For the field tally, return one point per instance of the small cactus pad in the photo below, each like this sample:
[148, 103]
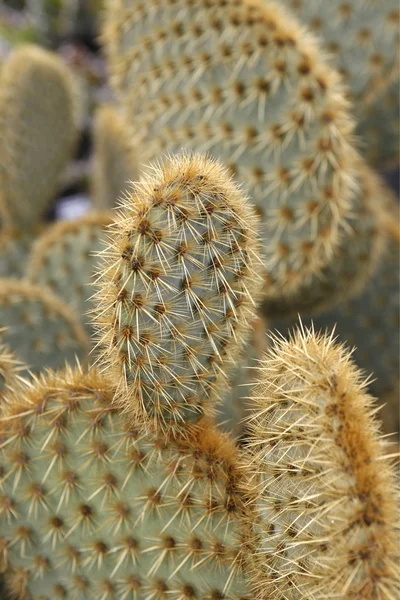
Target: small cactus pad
[37, 122]
[241, 80]
[176, 291]
[114, 161]
[63, 259]
[328, 507]
[15, 247]
[39, 327]
[90, 508]
[362, 241]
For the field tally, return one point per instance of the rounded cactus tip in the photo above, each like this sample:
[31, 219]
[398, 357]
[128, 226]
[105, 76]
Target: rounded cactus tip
[177, 288]
[328, 505]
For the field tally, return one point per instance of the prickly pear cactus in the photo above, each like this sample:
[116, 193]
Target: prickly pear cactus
[328, 502]
[63, 259]
[39, 327]
[243, 81]
[37, 120]
[114, 161]
[93, 508]
[177, 288]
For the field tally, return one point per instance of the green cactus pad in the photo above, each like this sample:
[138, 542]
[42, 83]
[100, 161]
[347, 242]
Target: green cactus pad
[91, 508]
[243, 81]
[37, 120]
[177, 290]
[38, 326]
[63, 259]
[328, 498]
[114, 161]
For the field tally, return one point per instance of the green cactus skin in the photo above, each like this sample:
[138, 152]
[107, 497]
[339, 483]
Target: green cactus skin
[63, 259]
[353, 263]
[15, 247]
[114, 161]
[91, 508]
[38, 105]
[328, 496]
[363, 36]
[242, 80]
[177, 291]
[38, 326]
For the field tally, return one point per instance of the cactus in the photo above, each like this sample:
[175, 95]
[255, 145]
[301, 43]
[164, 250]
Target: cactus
[345, 276]
[176, 292]
[114, 162]
[15, 247]
[242, 80]
[63, 260]
[39, 327]
[328, 499]
[363, 38]
[93, 508]
[37, 120]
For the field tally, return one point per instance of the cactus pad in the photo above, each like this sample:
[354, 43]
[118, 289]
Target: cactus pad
[90, 508]
[37, 121]
[114, 162]
[328, 506]
[176, 292]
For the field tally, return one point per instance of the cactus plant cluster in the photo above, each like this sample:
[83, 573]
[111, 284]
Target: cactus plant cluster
[120, 474]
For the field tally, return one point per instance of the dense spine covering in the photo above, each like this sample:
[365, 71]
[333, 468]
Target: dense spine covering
[328, 498]
[10, 368]
[64, 260]
[39, 326]
[242, 80]
[92, 508]
[38, 107]
[177, 290]
[114, 160]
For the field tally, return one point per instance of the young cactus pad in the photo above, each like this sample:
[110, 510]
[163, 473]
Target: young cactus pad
[114, 161]
[38, 326]
[37, 121]
[242, 80]
[92, 509]
[178, 282]
[328, 499]
[63, 259]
